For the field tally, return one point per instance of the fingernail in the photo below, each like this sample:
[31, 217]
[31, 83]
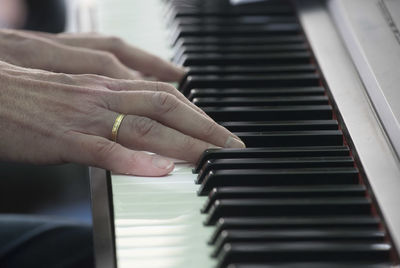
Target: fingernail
[162, 163]
[212, 146]
[232, 142]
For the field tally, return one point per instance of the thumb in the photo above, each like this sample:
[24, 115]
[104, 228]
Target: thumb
[101, 152]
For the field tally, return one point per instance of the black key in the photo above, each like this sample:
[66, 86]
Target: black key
[270, 163]
[238, 20]
[226, 4]
[254, 92]
[288, 207]
[322, 235]
[303, 252]
[245, 59]
[270, 113]
[260, 101]
[235, 30]
[277, 177]
[243, 70]
[251, 126]
[255, 49]
[222, 41]
[245, 81]
[271, 152]
[292, 138]
[283, 192]
[290, 223]
[280, 11]
[358, 264]
[250, 49]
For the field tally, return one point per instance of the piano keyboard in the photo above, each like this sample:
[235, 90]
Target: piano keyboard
[293, 198]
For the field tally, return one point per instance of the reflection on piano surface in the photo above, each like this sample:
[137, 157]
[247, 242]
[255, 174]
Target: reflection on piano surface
[299, 195]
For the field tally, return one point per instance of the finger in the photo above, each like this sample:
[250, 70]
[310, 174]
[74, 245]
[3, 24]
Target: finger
[100, 152]
[141, 133]
[133, 57]
[42, 53]
[81, 60]
[170, 111]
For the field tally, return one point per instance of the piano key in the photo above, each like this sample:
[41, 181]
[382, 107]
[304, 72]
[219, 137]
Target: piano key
[249, 126]
[263, 163]
[235, 30]
[250, 49]
[202, 59]
[283, 192]
[276, 177]
[271, 152]
[292, 138]
[267, 113]
[279, 47]
[186, 41]
[253, 92]
[231, 12]
[237, 20]
[289, 223]
[238, 69]
[287, 207]
[323, 235]
[226, 4]
[358, 264]
[186, 32]
[221, 5]
[175, 15]
[303, 252]
[182, 56]
[260, 101]
[245, 81]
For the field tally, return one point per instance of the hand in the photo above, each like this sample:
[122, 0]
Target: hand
[83, 54]
[55, 118]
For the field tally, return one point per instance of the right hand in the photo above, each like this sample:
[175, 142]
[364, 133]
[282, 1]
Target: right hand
[55, 118]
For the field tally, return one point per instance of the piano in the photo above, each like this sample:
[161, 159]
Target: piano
[312, 88]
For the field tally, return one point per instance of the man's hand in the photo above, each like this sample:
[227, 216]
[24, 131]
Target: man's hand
[53, 118]
[83, 54]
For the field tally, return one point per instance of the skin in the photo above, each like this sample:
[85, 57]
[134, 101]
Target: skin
[65, 111]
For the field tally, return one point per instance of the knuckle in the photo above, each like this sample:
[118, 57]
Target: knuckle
[165, 87]
[106, 59]
[102, 150]
[65, 79]
[114, 43]
[90, 77]
[107, 64]
[153, 60]
[164, 102]
[143, 126]
[209, 129]
[94, 81]
[187, 143]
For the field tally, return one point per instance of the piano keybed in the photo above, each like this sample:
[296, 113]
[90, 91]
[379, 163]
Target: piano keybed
[293, 198]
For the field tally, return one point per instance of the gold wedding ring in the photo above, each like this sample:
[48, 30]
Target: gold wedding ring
[117, 124]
